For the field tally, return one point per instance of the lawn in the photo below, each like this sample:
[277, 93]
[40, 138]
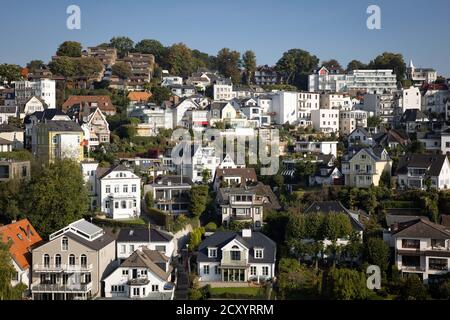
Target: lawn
[238, 292]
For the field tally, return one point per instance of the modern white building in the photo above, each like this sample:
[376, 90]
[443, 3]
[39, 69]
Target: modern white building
[284, 107]
[335, 101]
[223, 89]
[203, 158]
[44, 89]
[323, 147]
[382, 105]
[325, 120]
[168, 80]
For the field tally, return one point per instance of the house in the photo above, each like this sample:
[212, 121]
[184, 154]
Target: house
[22, 238]
[182, 91]
[137, 97]
[13, 134]
[360, 137]
[365, 167]
[153, 119]
[180, 110]
[223, 89]
[232, 177]
[204, 159]
[323, 147]
[392, 139]
[7, 112]
[78, 103]
[228, 163]
[41, 116]
[349, 120]
[326, 174]
[414, 120]
[5, 145]
[229, 256]
[171, 194]
[435, 97]
[419, 76]
[142, 68]
[106, 55]
[168, 80]
[416, 171]
[146, 274]
[246, 204]
[56, 139]
[131, 239]
[14, 169]
[221, 112]
[422, 248]
[44, 89]
[119, 192]
[325, 120]
[72, 264]
[31, 106]
[265, 75]
[95, 129]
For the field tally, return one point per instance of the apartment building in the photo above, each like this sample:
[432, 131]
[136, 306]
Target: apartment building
[349, 120]
[44, 89]
[323, 147]
[325, 120]
[14, 169]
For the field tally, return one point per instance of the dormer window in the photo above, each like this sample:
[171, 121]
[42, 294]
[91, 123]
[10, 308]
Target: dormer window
[212, 252]
[259, 253]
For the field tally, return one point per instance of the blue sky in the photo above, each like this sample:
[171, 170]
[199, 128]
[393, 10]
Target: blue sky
[420, 30]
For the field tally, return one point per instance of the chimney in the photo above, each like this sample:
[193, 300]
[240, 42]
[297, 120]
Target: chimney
[246, 233]
[28, 232]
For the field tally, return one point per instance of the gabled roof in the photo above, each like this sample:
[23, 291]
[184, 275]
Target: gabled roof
[61, 126]
[143, 235]
[327, 207]
[23, 238]
[432, 163]
[47, 114]
[412, 115]
[221, 238]
[244, 173]
[421, 228]
[139, 96]
[103, 172]
[259, 189]
[103, 102]
[9, 128]
[148, 259]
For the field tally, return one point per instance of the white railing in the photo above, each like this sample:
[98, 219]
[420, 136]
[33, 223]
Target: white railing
[62, 267]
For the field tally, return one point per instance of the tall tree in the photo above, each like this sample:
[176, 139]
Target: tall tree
[377, 253]
[356, 65]
[297, 64]
[228, 63]
[56, 197]
[160, 94]
[249, 63]
[346, 284]
[198, 200]
[151, 46]
[34, 65]
[63, 66]
[180, 60]
[10, 72]
[122, 44]
[69, 49]
[89, 67]
[389, 60]
[122, 70]
[333, 64]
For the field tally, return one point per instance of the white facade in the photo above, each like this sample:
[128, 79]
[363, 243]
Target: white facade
[324, 147]
[408, 99]
[325, 120]
[435, 101]
[126, 248]
[335, 100]
[171, 80]
[179, 112]
[223, 91]
[284, 105]
[120, 194]
[44, 89]
[349, 120]
[203, 158]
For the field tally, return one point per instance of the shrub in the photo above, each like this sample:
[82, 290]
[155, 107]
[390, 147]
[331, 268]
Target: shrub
[211, 227]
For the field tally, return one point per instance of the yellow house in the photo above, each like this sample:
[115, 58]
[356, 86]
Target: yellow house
[57, 140]
[365, 167]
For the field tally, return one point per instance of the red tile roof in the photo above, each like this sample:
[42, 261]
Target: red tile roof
[104, 103]
[23, 238]
[139, 96]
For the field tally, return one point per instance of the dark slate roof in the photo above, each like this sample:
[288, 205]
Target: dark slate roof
[148, 259]
[174, 180]
[421, 228]
[260, 189]
[412, 115]
[325, 158]
[142, 235]
[221, 238]
[8, 109]
[58, 125]
[433, 163]
[47, 114]
[327, 207]
[398, 219]
[105, 171]
[244, 173]
[9, 128]
[96, 244]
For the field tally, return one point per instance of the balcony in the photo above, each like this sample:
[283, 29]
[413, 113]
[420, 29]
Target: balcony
[242, 217]
[62, 268]
[54, 288]
[413, 268]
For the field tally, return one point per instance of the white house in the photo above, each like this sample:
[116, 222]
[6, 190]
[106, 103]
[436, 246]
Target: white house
[203, 158]
[325, 120]
[44, 89]
[324, 147]
[146, 274]
[284, 106]
[223, 89]
[360, 137]
[131, 239]
[228, 256]
[119, 192]
[31, 106]
[179, 111]
[168, 80]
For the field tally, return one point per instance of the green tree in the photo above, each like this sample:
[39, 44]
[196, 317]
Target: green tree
[249, 63]
[206, 175]
[297, 64]
[356, 65]
[416, 147]
[149, 202]
[413, 289]
[388, 60]
[151, 46]
[89, 67]
[346, 284]
[64, 66]
[34, 65]
[296, 281]
[69, 49]
[198, 199]
[377, 253]
[374, 122]
[195, 238]
[10, 72]
[122, 44]
[11, 196]
[160, 94]
[228, 63]
[56, 197]
[180, 61]
[122, 70]
[333, 64]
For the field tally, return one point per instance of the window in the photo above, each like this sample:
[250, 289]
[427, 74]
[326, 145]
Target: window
[259, 253]
[134, 203]
[108, 189]
[206, 269]
[155, 287]
[125, 272]
[124, 204]
[64, 244]
[131, 248]
[116, 205]
[117, 288]
[58, 260]
[136, 291]
[123, 248]
[72, 260]
[410, 244]
[265, 271]
[133, 188]
[83, 261]
[46, 260]
[116, 189]
[125, 188]
[143, 291]
[107, 204]
[160, 248]
[253, 271]
[235, 255]
[212, 253]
